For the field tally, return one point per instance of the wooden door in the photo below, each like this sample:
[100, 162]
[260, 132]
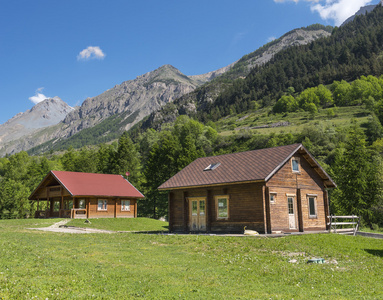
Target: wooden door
[291, 208]
[197, 214]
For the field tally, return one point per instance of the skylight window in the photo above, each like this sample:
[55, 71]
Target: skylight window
[212, 167]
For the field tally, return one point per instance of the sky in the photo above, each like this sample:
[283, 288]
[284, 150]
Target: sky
[79, 49]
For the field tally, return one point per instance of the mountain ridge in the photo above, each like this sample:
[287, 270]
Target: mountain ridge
[136, 99]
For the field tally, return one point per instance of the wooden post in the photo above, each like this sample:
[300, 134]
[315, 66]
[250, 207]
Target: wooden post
[170, 211]
[115, 208]
[266, 195]
[73, 207]
[209, 207]
[87, 208]
[300, 214]
[186, 211]
[326, 207]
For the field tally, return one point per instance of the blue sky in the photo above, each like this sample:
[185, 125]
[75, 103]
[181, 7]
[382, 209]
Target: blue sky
[79, 49]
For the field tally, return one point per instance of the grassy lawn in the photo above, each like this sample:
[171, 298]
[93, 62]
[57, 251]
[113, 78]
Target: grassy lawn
[47, 265]
[136, 224]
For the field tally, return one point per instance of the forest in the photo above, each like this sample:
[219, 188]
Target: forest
[343, 70]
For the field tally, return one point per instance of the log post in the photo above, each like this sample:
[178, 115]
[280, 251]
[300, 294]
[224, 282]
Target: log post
[186, 211]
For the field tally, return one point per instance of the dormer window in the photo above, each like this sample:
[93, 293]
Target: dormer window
[295, 165]
[212, 166]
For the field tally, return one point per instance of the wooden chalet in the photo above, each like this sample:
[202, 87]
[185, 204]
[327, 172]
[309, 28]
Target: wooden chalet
[280, 189]
[85, 195]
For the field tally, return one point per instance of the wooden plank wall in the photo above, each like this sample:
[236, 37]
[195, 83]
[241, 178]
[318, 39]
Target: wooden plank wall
[113, 209]
[286, 182]
[245, 207]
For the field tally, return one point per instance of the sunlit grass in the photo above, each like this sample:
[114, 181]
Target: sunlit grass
[297, 120]
[47, 265]
[122, 224]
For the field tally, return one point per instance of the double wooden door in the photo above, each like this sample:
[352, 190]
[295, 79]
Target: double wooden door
[197, 214]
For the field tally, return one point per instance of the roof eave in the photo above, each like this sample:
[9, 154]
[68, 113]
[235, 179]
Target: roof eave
[208, 185]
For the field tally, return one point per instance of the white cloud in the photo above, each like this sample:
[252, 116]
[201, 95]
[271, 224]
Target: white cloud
[270, 39]
[38, 97]
[336, 10]
[91, 53]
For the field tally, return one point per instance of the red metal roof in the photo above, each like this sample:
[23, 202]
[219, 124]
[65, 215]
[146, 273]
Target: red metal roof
[91, 184]
[255, 165]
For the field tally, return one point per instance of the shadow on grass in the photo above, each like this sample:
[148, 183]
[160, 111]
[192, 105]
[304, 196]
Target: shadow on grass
[165, 230]
[375, 252]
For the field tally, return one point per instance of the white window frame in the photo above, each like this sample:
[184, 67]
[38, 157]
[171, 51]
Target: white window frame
[125, 205]
[217, 198]
[298, 164]
[315, 206]
[104, 205]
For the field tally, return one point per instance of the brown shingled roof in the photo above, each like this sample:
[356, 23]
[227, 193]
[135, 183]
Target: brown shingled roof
[256, 165]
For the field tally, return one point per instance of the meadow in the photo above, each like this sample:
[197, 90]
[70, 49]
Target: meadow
[46, 265]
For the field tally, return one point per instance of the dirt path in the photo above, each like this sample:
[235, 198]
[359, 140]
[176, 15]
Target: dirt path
[60, 227]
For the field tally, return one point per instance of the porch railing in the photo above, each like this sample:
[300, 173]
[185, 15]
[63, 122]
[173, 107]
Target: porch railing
[65, 213]
[78, 213]
[41, 214]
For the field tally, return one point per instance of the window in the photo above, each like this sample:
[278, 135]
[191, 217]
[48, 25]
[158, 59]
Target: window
[222, 204]
[273, 197]
[212, 166]
[312, 208]
[201, 207]
[290, 203]
[295, 164]
[102, 204]
[125, 205]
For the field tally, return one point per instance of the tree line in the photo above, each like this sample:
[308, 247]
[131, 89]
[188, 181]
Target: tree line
[352, 159]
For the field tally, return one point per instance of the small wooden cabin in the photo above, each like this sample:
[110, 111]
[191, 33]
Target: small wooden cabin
[280, 189]
[85, 195]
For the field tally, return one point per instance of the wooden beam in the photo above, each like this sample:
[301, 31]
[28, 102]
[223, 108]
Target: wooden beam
[186, 211]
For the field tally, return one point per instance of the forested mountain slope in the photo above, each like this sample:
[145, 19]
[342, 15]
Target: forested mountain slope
[351, 51]
[196, 101]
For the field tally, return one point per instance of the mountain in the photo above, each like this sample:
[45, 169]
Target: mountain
[131, 101]
[362, 11]
[44, 114]
[207, 94]
[352, 51]
[104, 117]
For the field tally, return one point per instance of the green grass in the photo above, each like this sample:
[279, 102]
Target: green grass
[297, 120]
[47, 265]
[127, 224]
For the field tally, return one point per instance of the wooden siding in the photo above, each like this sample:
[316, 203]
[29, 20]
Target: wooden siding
[245, 207]
[126, 214]
[286, 182]
[113, 209]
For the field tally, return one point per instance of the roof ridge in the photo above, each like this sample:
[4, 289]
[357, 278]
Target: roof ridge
[247, 151]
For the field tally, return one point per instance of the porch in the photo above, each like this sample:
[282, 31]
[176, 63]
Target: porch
[74, 213]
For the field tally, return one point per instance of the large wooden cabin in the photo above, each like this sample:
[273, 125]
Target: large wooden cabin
[85, 195]
[280, 189]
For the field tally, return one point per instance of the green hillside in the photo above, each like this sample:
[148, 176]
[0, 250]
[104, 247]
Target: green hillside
[331, 102]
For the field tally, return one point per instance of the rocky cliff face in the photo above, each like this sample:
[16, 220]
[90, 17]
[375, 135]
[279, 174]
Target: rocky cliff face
[135, 99]
[138, 98]
[144, 95]
[44, 114]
